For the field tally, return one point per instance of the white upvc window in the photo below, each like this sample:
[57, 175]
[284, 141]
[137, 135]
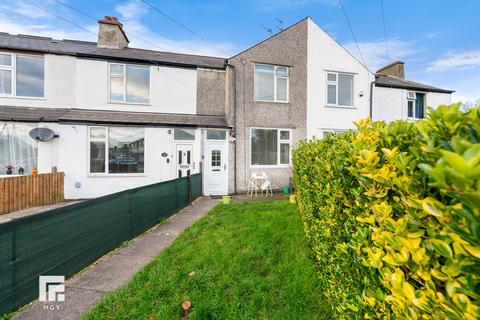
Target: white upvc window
[116, 150]
[271, 83]
[22, 75]
[270, 147]
[339, 89]
[129, 83]
[415, 105]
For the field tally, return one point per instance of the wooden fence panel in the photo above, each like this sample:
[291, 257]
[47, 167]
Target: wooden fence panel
[21, 192]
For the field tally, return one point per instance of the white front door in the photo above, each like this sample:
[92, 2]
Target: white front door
[215, 174]
[184, 161]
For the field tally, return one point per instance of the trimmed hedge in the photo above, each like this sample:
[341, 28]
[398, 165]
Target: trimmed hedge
[392, 213]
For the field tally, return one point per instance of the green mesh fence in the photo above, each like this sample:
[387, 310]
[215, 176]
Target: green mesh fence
[63, 241]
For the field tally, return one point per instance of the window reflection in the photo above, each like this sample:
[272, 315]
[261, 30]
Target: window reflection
[30, 76]
[17, 148]
[126, 150]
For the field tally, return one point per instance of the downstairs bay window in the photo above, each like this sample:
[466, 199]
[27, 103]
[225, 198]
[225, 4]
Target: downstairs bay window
[116, 150]
[270, 147]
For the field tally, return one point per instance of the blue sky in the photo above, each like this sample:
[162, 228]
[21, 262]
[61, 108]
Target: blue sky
[438, 39]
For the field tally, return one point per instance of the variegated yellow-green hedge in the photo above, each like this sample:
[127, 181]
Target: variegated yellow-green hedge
[392, 212]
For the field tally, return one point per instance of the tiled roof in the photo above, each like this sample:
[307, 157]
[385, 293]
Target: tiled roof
[393, 82]
[90, 50]
[87, 116]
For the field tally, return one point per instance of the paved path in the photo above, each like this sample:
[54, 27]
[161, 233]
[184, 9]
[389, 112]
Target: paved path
[112, 271]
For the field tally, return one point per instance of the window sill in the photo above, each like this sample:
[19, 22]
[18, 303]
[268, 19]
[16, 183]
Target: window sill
[278, 166]
[269, 101]
[130, 103]
[115, 175]
[21, 97]
[335, 106]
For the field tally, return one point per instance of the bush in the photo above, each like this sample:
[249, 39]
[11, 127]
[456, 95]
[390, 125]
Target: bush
[392, 213]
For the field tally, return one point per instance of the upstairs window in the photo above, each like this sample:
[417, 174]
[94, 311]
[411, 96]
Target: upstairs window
[22, 75]
[271, 83]
[416, 105]
[339, 89]
[129, 83]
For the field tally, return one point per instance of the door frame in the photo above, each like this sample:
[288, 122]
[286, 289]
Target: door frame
[205, 165]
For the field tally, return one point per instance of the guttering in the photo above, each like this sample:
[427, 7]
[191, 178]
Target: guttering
[371, 99]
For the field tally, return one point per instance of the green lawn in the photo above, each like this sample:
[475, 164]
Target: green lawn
[242, 261]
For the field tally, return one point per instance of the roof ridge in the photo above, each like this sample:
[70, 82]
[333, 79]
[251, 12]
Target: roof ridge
[95, 43]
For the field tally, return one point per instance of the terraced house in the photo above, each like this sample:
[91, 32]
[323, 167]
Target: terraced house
[122, 117]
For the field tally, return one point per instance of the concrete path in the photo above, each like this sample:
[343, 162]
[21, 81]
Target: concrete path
[112, 271]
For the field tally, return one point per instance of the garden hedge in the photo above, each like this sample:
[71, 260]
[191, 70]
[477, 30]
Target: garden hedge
[392, 213]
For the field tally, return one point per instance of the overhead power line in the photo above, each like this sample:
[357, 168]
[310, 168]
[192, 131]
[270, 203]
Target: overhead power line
[385, 30]
[184, 27]
[75, 24]
[59, 17]
[96, 19]
[351, 30]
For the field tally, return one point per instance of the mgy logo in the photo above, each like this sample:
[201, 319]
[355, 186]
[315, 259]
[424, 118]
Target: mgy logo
[51, 288]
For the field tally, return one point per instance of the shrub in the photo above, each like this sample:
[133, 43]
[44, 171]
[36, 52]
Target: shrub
[392, 214]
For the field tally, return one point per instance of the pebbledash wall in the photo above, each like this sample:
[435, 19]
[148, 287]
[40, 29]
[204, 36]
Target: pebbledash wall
[287, 48]
[391, 103]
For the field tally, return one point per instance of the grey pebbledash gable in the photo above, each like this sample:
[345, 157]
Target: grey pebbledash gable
[289, 49]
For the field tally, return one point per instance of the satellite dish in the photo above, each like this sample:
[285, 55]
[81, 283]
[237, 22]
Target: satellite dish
[42, 134]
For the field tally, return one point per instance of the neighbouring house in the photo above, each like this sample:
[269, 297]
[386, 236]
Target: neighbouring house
[126, 117]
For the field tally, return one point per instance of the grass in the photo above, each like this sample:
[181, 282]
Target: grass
[242, 261]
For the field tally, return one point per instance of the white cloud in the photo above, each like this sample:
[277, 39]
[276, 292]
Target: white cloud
[24, 9]
[47, 27]
[458, 60]
[375, 53]
[132, 12]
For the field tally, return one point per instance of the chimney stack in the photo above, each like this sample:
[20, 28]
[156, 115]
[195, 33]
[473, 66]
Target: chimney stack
[395, 69]
[111, 34]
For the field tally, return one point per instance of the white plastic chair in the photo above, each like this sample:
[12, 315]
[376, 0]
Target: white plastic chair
[252, 186]
[267, 187]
